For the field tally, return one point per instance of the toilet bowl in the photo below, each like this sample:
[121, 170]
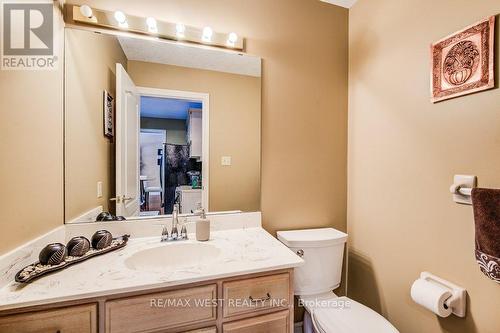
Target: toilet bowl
[334, 314]
[314, 282]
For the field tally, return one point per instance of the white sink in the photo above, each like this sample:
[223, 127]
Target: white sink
[172, 255]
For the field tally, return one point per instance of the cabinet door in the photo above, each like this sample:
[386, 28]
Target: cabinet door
[272, 323]
[195, 129]
[190, 200]
[75, 319]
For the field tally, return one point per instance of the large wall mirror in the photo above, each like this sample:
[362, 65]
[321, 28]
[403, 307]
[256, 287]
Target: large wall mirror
[150, 124]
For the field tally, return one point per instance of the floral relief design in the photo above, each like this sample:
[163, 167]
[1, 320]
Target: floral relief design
[461, 62]
[489, 265]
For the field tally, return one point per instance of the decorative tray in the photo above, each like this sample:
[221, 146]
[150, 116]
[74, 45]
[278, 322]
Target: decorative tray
[36, 270]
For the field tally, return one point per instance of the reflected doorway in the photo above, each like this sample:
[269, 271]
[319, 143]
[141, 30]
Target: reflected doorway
[171, 155]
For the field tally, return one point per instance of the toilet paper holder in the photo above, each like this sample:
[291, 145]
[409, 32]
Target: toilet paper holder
[458, 300]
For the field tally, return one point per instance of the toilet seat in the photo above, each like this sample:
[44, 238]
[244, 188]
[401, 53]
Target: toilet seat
[344, 315]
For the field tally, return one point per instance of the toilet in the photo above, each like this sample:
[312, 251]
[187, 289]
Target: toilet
[314, 282]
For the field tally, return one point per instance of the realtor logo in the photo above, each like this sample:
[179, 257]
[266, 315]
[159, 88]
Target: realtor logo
[28, 36]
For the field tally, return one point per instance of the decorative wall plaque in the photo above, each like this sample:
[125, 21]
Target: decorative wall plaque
[463, 63]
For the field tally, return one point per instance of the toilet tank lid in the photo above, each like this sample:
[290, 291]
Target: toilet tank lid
[312, 237]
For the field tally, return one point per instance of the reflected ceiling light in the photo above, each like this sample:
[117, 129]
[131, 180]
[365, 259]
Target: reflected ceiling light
[86, 11]
[121, 19]
[151, 23]
[207, 35]
[232, 39]
[180, 30]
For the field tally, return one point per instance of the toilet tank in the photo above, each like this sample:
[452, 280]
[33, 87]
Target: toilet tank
[323, 253]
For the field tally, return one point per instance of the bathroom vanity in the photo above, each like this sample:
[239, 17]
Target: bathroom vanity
[252, 303]
[239, 281]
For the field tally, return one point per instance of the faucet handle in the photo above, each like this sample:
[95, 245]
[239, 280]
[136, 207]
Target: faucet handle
[174, 234]
[164, 233]
[183, 232]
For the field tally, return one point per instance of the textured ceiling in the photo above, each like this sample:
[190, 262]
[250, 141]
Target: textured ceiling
[342, 3]
[164, 52]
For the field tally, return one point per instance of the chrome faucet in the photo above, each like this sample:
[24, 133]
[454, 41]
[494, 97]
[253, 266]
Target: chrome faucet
[175, 221]
[174, 234]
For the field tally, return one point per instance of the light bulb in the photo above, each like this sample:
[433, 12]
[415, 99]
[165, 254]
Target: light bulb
[151, 23]
[120, 17]
[180, 30]
[86, 11]
[232, 38]
[207, 34]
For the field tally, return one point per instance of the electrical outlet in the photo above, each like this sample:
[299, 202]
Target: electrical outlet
[225, 160]
[99, 189]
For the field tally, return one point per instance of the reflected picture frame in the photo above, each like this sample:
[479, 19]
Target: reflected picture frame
[108, 114]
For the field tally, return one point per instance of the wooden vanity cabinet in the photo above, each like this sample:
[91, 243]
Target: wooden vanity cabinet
[278, 322]
[75, 319]
[255, 303]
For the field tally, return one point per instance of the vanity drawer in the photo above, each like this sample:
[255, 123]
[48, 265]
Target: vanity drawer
[76, 319]
[278, 322]
[204, 330]
[152, 312]
[254, 294]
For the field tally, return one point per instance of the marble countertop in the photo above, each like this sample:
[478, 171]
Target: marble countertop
[242, 251]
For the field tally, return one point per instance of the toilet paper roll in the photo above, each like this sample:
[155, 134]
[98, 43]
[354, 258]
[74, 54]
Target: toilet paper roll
[431, 296]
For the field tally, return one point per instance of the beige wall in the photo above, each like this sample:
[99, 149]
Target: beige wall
[403, 153]
[31, 146]
[303, 44]
[234, 127]
[176, 128]
[90, 68]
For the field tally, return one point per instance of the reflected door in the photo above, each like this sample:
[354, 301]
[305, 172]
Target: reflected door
[127, 145]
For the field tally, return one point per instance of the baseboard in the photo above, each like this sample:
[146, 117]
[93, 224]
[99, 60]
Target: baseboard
[297, 327]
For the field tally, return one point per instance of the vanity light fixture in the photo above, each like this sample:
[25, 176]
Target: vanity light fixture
[232, 38]
[85, 17]
[180, 30]
[86, 11]
[207, 35]
[152, 26]
[121, 19]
